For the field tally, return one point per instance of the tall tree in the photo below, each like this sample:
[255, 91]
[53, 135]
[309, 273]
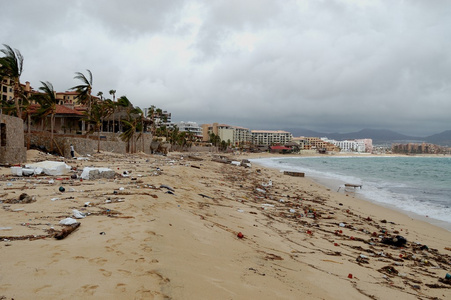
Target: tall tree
[100, 94]
[113, 93]
[84, 90]
[47, 101]
[11, 65]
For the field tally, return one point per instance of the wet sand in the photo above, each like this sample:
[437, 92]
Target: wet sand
[141, 240]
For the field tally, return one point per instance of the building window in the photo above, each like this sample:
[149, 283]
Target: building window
[3, 134]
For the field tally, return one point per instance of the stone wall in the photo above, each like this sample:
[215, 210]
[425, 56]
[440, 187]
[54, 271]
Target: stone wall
[12, 149]
[109, 142]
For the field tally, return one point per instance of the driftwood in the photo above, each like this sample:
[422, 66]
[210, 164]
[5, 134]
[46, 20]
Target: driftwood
[194, 158]
[66, 231]
[296, 174]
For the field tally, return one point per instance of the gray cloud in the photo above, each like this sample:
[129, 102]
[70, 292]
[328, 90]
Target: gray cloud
[338, 65]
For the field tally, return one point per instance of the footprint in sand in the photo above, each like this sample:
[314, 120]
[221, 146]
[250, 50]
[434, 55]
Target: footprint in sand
[125, 272]
[146, 248]
[89, 289]
[121, 287]
[42, 287]
[98, 260]
[105, 272]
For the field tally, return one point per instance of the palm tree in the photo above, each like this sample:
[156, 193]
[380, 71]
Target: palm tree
[113, 93]
[100, 94]
[95, 117]
[123, 102]
[47, 101]
[11, 65]
[85, 89]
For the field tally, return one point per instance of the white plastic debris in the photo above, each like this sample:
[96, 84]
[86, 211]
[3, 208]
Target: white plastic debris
[292, 210]
[68, 221]
[16, 171]
[260, 190]
[50, 167]
[78, 214]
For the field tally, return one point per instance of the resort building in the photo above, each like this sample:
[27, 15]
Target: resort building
[236, 135]
[191, 127]
[358, 145]
[270, 137]
[6, 90]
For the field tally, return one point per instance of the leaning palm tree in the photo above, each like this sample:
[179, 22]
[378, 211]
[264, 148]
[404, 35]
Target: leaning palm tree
[84, 90]
[47, 101]
[11, 65]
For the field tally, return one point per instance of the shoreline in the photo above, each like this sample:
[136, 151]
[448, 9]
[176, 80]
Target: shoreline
[168, 228]
[330, 183]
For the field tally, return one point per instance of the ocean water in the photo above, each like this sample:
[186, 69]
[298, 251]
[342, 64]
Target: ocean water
[418, 186]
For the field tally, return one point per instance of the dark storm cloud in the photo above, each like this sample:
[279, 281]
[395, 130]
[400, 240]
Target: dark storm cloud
[321, 65]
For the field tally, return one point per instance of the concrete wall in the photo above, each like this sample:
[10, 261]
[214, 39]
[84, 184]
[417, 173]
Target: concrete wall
[12, 149]
[110, 142]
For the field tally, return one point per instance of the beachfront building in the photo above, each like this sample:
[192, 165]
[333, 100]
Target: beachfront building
[358, 145]
[319, 144]
[190, 127]
[6, 89]
[235, 134]
[271, 137]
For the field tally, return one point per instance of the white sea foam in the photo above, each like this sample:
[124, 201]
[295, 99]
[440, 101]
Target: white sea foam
[403, 183]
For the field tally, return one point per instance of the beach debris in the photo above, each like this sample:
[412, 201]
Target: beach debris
[295, 174]
[103, 233]
[350, 275]
[205, 196]
[397, 241]
[163, 186]
[90, 173]
[62, 189]
[389, 270]
[245, 163]
[240, 235]
[78, 214]
[24, 198]
[53, 168]
[68, 221]
[66, 231]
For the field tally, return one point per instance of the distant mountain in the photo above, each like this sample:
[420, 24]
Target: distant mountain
[443, 138]
[379, 136]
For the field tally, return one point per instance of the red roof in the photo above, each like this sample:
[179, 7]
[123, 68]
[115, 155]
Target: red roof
[280, 148]
[60, 110]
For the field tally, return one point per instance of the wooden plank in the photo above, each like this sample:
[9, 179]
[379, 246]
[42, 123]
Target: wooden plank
[296, 174]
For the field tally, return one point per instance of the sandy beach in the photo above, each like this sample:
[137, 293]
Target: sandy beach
[187, 226]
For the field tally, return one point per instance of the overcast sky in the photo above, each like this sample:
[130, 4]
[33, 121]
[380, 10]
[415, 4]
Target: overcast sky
[329, 66]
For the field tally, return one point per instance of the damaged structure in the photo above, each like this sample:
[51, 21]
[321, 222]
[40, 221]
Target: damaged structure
[12, 148]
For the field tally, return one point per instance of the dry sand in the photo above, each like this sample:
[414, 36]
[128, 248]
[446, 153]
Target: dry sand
[141, 242]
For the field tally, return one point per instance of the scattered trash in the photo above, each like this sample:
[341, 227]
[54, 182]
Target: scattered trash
[52, 168]
[102, 233]
[166, 187]
[350, 276]
[97, 173]
[78, 214]
[240, 235]
[397, 241]
[62, 189]
[66, 231]
[68, 221]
